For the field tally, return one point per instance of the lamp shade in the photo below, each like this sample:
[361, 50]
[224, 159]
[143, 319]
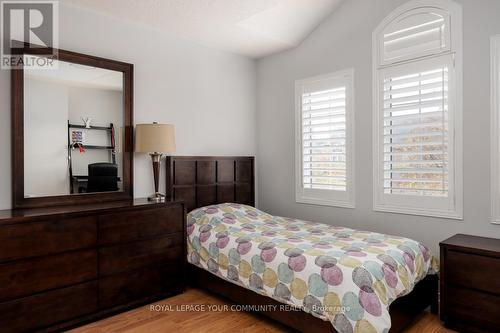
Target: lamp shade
[154, 138]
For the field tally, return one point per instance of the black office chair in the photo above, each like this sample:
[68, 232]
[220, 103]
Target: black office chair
[103, 177]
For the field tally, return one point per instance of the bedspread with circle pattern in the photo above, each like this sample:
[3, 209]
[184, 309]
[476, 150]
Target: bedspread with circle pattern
[346, 276]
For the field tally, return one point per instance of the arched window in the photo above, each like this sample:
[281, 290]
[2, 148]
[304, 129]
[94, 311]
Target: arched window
[417, 110]
[418, 32]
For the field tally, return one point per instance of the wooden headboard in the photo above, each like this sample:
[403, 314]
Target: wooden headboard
[206, 180]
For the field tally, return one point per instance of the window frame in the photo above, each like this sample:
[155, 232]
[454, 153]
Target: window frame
[414, 204]
[334, 198]
[495, 129]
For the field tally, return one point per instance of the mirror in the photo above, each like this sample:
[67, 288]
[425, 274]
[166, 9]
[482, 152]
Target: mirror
[73, 117]
[73, 128]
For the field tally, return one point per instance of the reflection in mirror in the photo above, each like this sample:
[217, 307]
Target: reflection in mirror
[73, 120]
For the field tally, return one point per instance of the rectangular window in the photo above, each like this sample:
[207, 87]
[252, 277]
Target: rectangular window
[324, 140]
[495, 129]
[416, 168]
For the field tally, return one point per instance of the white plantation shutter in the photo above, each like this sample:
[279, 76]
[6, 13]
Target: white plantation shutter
[415, 131]
[324, 143]
[323, 135]
[420, 32]
[417, 110]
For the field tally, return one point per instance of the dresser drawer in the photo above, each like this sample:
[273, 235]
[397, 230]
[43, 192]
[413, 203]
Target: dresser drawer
[46, 237]
[34, 275]
[472, 311]
[130, 226]
[137, 285]
[120, 258]
[472, 271]
[42, 310]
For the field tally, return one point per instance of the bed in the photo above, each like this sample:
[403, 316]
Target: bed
[312, 277]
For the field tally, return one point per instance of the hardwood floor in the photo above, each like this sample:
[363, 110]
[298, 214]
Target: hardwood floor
[178, 314]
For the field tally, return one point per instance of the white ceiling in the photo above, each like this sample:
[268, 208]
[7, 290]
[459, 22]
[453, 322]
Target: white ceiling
[253, 28]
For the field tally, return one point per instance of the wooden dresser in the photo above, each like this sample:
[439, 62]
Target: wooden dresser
[470, 283]
[63, 266]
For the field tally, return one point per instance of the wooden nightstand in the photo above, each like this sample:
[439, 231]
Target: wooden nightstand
[470, 283]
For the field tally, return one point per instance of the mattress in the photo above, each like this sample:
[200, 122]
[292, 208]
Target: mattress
[342, 275]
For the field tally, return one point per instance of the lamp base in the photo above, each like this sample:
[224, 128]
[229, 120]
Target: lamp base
[157, 198]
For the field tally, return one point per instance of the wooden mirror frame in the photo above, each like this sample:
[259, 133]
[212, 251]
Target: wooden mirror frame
[17, 101]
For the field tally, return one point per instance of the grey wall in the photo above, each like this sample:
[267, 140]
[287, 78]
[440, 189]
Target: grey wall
[344, 41]
[209, 95]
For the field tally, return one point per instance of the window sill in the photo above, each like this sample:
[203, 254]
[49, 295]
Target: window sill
[325, 202]
[452, 215]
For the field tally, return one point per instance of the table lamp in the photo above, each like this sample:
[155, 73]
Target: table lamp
[155, 139]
